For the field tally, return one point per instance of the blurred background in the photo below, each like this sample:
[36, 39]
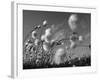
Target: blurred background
[58, 19]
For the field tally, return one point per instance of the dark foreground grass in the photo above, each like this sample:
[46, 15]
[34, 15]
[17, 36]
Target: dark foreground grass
[85, 61]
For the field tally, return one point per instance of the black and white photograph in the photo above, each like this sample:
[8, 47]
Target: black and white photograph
[53, 39]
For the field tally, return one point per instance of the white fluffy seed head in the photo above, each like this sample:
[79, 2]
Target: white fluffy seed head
[46, 35]
[42, 37]
[80, 38]
[34, 34]
[39, 26]
[36, 42]
[48, 32]
[58, 54]
[73, 17]
[45, 47]
[72, 21]
[44, 22]
[72, 45]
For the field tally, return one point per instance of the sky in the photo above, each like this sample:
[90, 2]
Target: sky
[33, 18]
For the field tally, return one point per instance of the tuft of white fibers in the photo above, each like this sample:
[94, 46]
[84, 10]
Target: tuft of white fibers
[45, 46]
[45, 38]
[72, 45]
[80, 38]
[46, 35]
[48, 32]
[57, 58]
[36, 42]
[72, 21]
[34, 34]
[44, 22]
[42, 37]
[39, 26]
